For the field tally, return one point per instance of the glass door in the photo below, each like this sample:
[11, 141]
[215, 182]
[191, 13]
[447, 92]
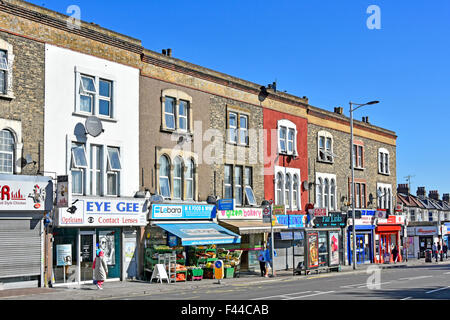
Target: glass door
[360, 252]
[87, 255]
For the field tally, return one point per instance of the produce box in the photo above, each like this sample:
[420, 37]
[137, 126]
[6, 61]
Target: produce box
[196, 272]
[229, 273]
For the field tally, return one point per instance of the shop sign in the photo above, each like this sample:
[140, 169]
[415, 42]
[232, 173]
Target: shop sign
[241, 214]
[320, 212]
[297, 221]
[279, 210]
[335, 220]
[399, 207]
[381, 214]
[26, 195]
[282, 219]
[178, 211]
[363, 221]
[225, 204]
[426, 231]
[411, 231]
[99, 212]
[392, 220]
[63, 188]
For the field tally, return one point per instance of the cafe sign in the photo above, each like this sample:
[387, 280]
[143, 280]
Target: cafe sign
[241, 214]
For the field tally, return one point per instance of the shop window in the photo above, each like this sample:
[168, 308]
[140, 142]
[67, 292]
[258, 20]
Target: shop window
[287, 137]
[177, 178]
[95, 95]
[164, 174]
[113, 173]
[7, 148]
[325, 147]
[189, 178]
[228, 182]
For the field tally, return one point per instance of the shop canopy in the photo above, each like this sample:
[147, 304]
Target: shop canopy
[204, 233]
[252, 227]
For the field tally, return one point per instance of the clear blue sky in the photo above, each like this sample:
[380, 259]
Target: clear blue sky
[319, 49]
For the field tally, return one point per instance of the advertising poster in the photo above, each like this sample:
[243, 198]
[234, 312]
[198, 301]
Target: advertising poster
[313, 250]
[107, 244]
[62, 193]
[64, 255]
[334, 248]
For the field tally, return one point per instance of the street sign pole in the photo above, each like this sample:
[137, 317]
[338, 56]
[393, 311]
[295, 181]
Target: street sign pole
[272, 241]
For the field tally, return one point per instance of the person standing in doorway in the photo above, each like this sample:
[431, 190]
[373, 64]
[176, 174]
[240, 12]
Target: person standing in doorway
[100, 269]
[445, 249]
[395, 254]
[434, 248]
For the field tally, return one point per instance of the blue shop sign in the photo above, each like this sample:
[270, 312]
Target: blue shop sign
[225, 204]
[177, 211]
[292, 221]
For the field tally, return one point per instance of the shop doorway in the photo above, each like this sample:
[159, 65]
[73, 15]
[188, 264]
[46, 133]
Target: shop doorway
[425, 243]
[360, 249]
[87, 255]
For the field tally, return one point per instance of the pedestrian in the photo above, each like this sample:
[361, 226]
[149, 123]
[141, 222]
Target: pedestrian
[445, 249]
[434, 248]
[100, 269]
[268, 259]
[262, 262]
[395, 254]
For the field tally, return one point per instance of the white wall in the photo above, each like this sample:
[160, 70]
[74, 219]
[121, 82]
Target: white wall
[60, 120]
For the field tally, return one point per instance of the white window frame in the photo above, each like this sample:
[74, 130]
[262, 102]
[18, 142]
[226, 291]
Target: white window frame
[80, 90]
[173, 114]
[243, 130]
[225, 183]
[190, 163]
[233, 128]
[287, 125]
[165, 177]
[331, 197]
[8, 70]
[285, 172]
[11, 153]
[328, 155]
[185, 117]
[106, 98]
[177, 161]
[94, 182]
[4, 67]
[79, 167]
[238, 184]
[115, 172]
[386, 203]
[383, 161]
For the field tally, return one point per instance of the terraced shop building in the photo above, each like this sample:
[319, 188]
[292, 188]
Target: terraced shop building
[329, 157]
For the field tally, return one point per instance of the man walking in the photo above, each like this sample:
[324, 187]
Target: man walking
[445, 249]
[434, 248]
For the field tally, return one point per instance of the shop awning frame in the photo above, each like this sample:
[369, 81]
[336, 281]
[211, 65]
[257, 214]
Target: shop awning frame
[201, 233]
[252, 227]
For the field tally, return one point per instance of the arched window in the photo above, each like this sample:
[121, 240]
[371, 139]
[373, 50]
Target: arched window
[319, 194]
[332, 195]
[189, 177]
[385, 195]
[380, 199]
[326, 194]
[388, 206]
[164, 174]
[295, 193]
[177, 178]
[279, 184]
[287, 191]
[6, 152]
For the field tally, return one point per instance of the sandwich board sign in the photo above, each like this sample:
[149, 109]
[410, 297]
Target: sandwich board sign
[159, 273]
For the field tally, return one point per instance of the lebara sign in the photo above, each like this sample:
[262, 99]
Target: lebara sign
[98, 212]
[175, 211]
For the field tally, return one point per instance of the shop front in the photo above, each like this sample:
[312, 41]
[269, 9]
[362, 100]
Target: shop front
[248, 223]
[24, 203]
[388, 236]
[365, 238]
[186, 240]
[421, 238]
[288, 238]
[112, 225]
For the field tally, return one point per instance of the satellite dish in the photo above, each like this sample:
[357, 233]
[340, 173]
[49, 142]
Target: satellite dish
[94, 126]
[306, 185]
[156, 198]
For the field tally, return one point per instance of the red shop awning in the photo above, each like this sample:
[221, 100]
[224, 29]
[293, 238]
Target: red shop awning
[382, 229]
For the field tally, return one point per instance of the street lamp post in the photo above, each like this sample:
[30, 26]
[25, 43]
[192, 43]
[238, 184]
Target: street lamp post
[353, 174]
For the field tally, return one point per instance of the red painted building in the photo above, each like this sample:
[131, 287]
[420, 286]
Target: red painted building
[286, 160]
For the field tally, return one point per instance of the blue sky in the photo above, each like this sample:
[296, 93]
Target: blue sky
[319, 49]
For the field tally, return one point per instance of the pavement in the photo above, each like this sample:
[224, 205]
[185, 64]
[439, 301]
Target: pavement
[128, 289]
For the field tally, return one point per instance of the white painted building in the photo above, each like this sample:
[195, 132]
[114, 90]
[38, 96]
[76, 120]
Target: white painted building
[104, 169]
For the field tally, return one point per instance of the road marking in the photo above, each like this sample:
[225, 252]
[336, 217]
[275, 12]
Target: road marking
[416, 278]
[407, 298]
[310, 295]
[447, 273]
[438, 290]
[373, 284]
[282, 295]
[353, 285]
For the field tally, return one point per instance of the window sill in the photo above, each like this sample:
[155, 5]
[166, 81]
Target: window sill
[177, 131]
[288, 154]
[238, 144]
[87, 115]
[384, 174]
[325, 161]
[7, 97]
[359, 168]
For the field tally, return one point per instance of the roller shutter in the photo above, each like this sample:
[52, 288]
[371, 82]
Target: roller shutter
[20, 248]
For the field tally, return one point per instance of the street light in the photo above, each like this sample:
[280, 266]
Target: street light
[353, 172]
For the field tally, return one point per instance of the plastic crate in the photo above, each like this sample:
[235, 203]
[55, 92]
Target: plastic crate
[229, 273]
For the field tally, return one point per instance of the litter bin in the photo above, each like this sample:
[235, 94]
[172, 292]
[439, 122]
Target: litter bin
[428, 255]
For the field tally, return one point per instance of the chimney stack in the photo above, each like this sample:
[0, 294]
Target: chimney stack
[421, 192]
[339, 110]
[434, 194]
[446, 197]
[403, 188]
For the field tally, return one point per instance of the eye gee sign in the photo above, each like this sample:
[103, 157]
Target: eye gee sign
[104, 212]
